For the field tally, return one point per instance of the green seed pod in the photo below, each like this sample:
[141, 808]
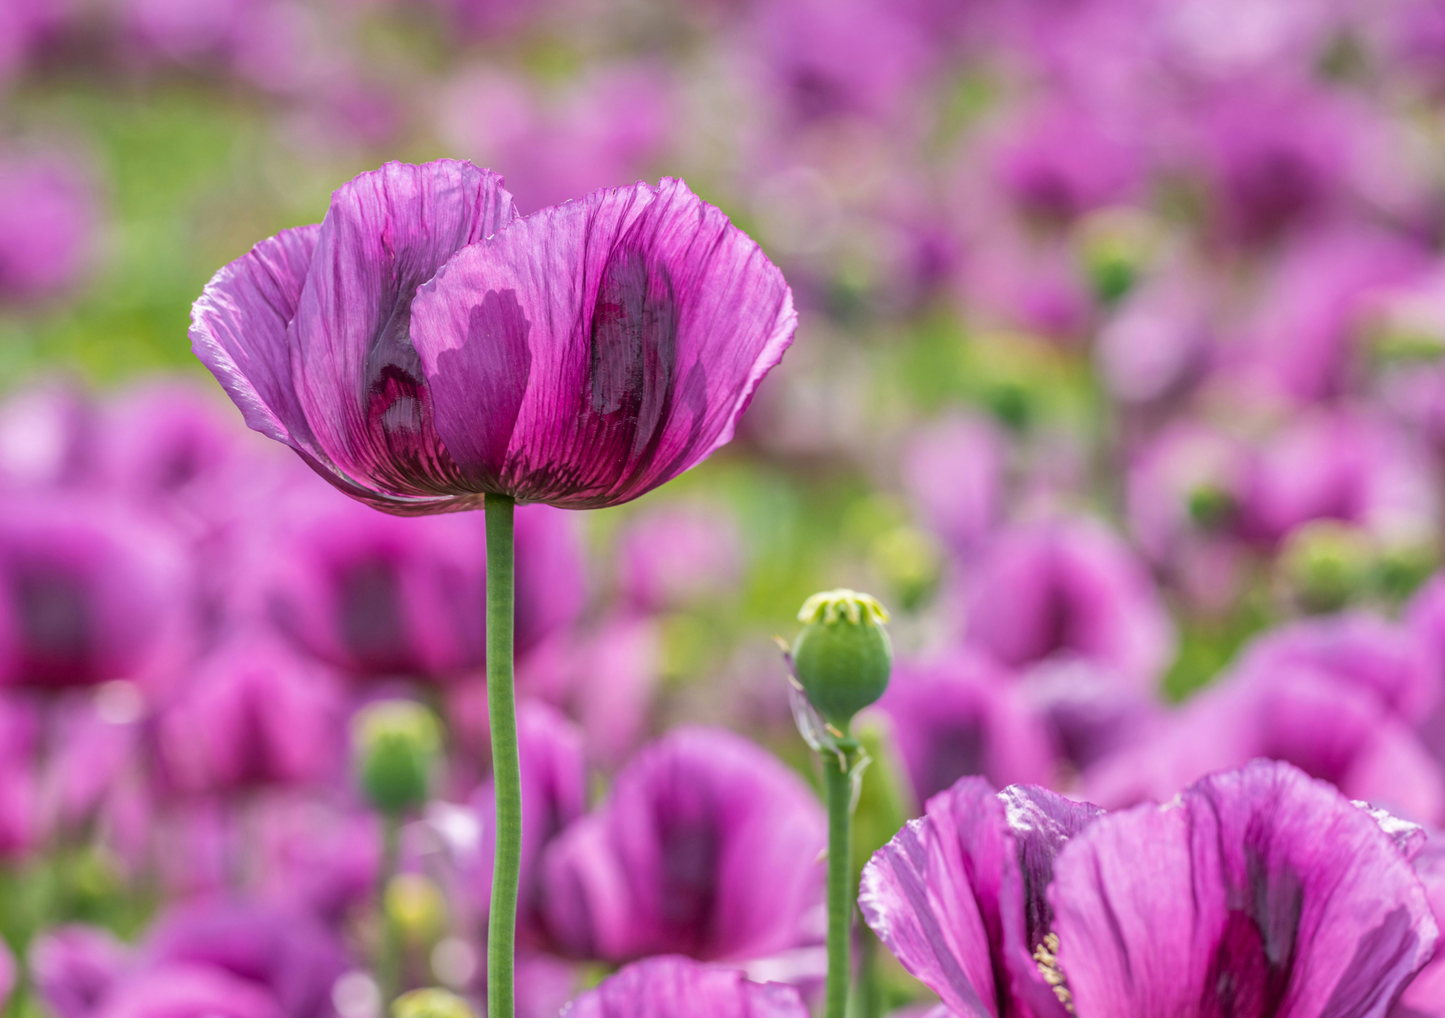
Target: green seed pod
[397, 744]
[430, 1003]
[843, 655]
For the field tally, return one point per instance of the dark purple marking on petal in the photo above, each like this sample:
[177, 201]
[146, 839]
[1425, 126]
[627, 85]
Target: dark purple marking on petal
[1386, 948]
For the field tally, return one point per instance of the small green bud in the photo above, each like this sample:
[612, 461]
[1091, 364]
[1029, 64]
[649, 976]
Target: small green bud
[843, 655]
[1211, 508]
[1326, 564]
[398, 744]
[912, 562]
[431, 1003]
[415, 904]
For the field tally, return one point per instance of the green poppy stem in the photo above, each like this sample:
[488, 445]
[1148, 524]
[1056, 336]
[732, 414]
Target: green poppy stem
[842, 894]
[506, 773]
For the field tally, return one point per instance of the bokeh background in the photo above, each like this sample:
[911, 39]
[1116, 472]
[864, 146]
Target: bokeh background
[1120, 379]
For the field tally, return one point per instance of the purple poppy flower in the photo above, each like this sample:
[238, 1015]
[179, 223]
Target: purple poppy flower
[88, 593]
[1345, 465]
[1334, 728]
[1069, 587]
[1088, 714]
[853, 59]
[1366, 650]
[281, 951]
[166, 443]
[188, 991]
[378, 597]
[251, 713]
[72, 968]
[47, 222]
[706, 845]
[1027, 903]
[385, 404]
[953, 473]
[1268, 181]
[1300, 341]
[1060, 161]
[47, 437]
[675, 555]
[676, 987]
[1159, 339]
[960, 714]
[607, 678]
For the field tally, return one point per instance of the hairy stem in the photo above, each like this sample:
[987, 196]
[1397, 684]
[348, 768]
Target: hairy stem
[506, 773]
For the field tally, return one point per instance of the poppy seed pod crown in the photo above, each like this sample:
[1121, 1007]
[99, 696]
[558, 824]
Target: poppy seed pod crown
[843, 655]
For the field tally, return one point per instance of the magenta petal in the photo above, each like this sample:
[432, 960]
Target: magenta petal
[1260, 891]
[673, 987]
[596, 349]
[238, 330]
[357, 377]
[707, 846]
[958, 896]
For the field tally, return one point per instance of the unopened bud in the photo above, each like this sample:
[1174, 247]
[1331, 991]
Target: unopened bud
[397, 744]
[1212, 508]
[416, 906]
[843, 655]
[431, 1003]
[1326, 564]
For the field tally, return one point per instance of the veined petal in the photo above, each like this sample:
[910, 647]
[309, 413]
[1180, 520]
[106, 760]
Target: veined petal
[958, 896]
[358, 379]
[1258, 892]
[615, 340]
[238, 330]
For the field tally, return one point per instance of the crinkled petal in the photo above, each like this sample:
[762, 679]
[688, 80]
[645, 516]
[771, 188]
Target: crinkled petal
[1259, 892]
[596, 349]
[358, 379]
[958, 896]
[674, 987]
[238, 330]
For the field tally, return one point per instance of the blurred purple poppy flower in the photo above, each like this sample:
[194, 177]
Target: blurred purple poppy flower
[858, 58]
[47, 437]
[378, 596]
[706, 845]
[1059, 161]
[953, 473]
[188, 991]
[1069, 587]
[1186, 493]
[385, 405]
[72, 968]
[1345, 465]
[672, 556]
[1088, 715]
[1333, 728]
[1268, 180]
[1159, 339]
[321, 858]
[1300, 341]
[19, 778]
[554, 794]
[23, 25]
[676, 987]
[47, 223]
[607, 678]
[251, 713]
[960, 714]
[88, 594]
[281, 951]
[1025, 902]
[613, 123]
[1373, 653]
[1033, 283]
[166, 444]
